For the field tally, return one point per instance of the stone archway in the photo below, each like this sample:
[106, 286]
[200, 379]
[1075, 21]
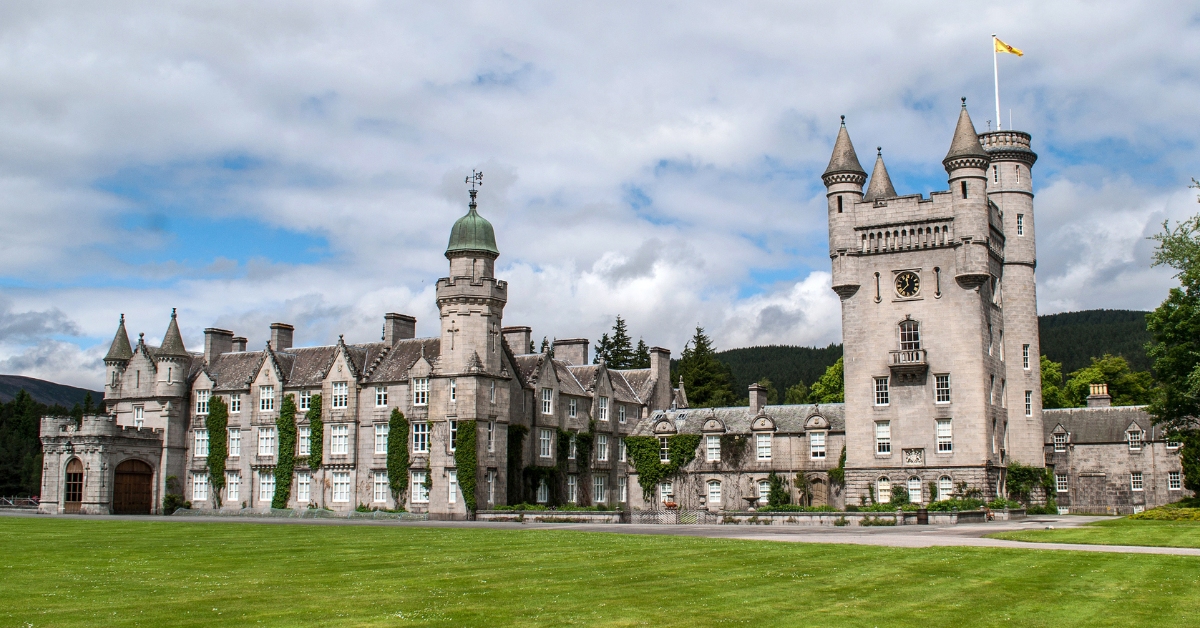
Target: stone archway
[73, 487]
[133, 488]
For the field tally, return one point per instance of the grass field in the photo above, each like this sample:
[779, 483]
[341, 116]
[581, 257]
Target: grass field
[57, 572]
[1117, 532]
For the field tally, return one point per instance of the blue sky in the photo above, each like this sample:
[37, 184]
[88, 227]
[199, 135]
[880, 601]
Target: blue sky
[303, 162]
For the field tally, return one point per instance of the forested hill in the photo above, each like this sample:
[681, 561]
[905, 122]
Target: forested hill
[1072, 338]
[44, 392]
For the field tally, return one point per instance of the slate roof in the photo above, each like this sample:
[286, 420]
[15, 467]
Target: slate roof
[308, 366]
[881, 184]
[966, 140]
[844, 158]
[622, 391]
[234, 371]
[120, 348]
[527, 365]
[1099, 425]
[640, 380]
[789, 419]
[393, 365]
[586, 374]
[567, 382]
[172, 344]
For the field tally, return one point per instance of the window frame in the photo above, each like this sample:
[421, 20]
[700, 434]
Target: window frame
[545, 443]
[882, 391]
[339, 439]
[234, 442]
[883, 438]
[303, 487]
[713, 497]
[233, 486]
[200, 443]
[381, 438]
[267, 440]
[602, 408]
[762, 443]
[266, 398]
[1174, 481]
[303, 440]
[547, 401]
[420, 391]
[339, 396]
[599, 489]
[941, 388]
[381, 396]
[1025, 357]
[602, 448]
[1136, 481]
[420, 492]
[1059, 442]
[1134, 439]
[200, 486]
[202, 397]
[945, 441]
[712, 448]
[266, 485]
[1062, 483]
[572, 407]
[305, 401]
[420, 436]
[664, 449]
[1028, 403]
[621, 413]
[816, 445]
[453, 429]
[340, 481]
[379, 489]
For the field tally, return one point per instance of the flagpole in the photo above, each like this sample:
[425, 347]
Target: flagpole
[996, 77]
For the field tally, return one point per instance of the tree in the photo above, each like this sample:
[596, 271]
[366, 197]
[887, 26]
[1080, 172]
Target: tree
[709, 382]
[1052, 385]
[777, 492]
[831, 388]
[641, 356]
[397, 456]
[617, 350]
[217, 423]
[1127, 388]
[796, 394]
[547, 348]
[772, 393]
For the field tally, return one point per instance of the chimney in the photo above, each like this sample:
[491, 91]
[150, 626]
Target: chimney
[758, 398]
[398, 327]
[660, 371]
[517, 339]
[216, 342]
[239, 343]
[281, 336]
[573, 351]
[1099, 397]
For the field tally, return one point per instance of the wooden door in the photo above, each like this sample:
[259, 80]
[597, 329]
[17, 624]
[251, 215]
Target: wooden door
[133, 489]
[73, 487]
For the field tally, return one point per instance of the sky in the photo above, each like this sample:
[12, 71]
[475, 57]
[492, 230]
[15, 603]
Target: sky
[303, 162]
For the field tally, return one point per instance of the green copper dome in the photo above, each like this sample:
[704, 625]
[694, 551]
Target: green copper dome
[472, 233]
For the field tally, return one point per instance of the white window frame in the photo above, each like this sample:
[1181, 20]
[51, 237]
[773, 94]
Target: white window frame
[1062, 483]
[304, 441]
[305, 399]
[1136, 482]
[235, 403]
[266, 441]
[714, 492]
[572, 488]
[139, 416]
[235, 442]
[420, 492]
[1020, 218]
[666, 491]
[381, 437]
[1060, 442]
[491, 436]
[572, 408]
[547, 401]
[764, 491]
[266, 485]
[945, 487]
[491, 484]
[200, 440]
[233, 486]
[762, 446]
[303, 487]
[420, 437]
[492, 393]
[712, 448]
[341, 487]
[883, 438]
[420, 392]
[1135, 440]
[664, 449]
[1028, 403]
[381, 396]
[916, 494]
[202, 397]
[572, 444]
[602, 406]
[599, 489]
[621, 449]
[941, 388]
[883, 490]
[623, 489]
[945, 436]
[266, 398]
[453, 390]
[545, 442]
[621, 413]
[340, 395]
[379, 487]
[1025, 357]
[339, 439]
[453, 425]
[1174, 481]
[816, 445]
[543, 492]
[200, 487]
[882, 391]
[602, 447]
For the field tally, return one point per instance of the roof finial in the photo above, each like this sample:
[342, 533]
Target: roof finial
[122, 318]
[172, 312]
[879, 151]
[475, 178]
[964, 100]
[141, 337]
[843, 120]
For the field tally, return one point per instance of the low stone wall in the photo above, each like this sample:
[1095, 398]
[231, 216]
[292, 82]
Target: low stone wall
[550, 516]
[811, 518]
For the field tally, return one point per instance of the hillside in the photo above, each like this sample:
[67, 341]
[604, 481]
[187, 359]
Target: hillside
[783, 365]
[44, 392]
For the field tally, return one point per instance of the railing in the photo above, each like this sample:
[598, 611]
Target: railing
[19, 502]
[908, 356]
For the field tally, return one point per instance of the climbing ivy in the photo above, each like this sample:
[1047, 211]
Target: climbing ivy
[316, 428]
[466, 461]
[643, 452]
[516, 458]
[397, 456]
[1021, 480]
[837, 474]
[217, 424]
[286, 422]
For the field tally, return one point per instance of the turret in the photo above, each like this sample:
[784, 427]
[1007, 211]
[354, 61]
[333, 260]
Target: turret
[881, 184]
[844, 179]
[966, 163]
[119, 354]
[173, 361]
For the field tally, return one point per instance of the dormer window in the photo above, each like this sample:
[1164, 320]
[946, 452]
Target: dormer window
[1060, 442]
[340, 396]
[202, 397]
[1135, 439]
[420, 386]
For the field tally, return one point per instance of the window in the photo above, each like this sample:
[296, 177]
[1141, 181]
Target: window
[910, 336]
[341, 486]
[420, 386]
[420, 433]
[881, 391]
[603, 409]
[1025, 357]
[713, 448]
[491, 436]
[235, 403]
[199, 487]
[714, 492]
[764, 489]
[1020, 219]
[945, 487]
[1001, 345]
[381, 396]
[492, 392]
[883, 438]
[1060, 483]
[339, 439]
[995, 173]
[491, 486]
[914, 490]
[381, 438]
[304, 441]
[602, 447]
[1173, 444]
[763, 442]
[945, 436]
[572, 488]
[1135, 440]
[571, 447]
[305, 399]
[380, 486]
[623, 489]
[453, 435]
[1003, 393]
[453, 390]
[963, 185]
[202, 401]
[992, 390]
[666, 491]
[883, 491]
[235, 442]
[303, 487]
[1174, 481]
[233, 486]
[599, 490]
[266, 398]
[941, 388]
[139, 416]
[572, 408]
[543, 492]
[266, 486]
[341, 396]
[1028, 403]
[621, 449]
[201, 448]
[1135, 481]
[420, 487]
[1060, 442]
[1018, 171]
[839, 204]
[621, 413]
[544, 437]
[547, 398]
[266, 441]
[664, 449]
[816, 445]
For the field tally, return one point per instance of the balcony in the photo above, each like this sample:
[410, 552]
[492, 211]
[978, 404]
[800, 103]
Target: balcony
[908, 363]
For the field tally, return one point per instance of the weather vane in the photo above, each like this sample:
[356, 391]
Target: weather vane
[475, 179]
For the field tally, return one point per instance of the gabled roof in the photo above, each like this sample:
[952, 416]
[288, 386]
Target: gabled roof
[394, 365]
[172, 344]
[1099, 425]
[585, 374]
[234, 371]
[641, 381]
[622, 391]
[788, 419]
[567, 382]
[120, 348]
[308, 365]
[528, 366]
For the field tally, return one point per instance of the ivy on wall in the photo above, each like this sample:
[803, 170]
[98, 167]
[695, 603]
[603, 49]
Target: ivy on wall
[1022, 480]
[516, 458]
[465, 459]
[217, 424]
[286, 465]
[643, 452]
[837, 474]
[316, 428]
[397, 456]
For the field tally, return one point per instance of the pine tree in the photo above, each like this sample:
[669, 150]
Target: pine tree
[603, 346]
[708, 382]
[617, 350]
[641, 356]
[547, 348]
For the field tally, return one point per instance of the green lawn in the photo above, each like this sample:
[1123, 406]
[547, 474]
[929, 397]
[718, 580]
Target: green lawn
[1117, 532]
[103, 572]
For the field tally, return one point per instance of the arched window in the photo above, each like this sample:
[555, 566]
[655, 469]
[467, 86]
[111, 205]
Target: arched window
[883, 490]
[914, 490]
[73, 487]
[714, 492]
[910, 335]
[764, 489]
[945, 487]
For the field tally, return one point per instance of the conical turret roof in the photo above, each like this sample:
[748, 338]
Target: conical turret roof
[966, 140]
[172, 343]
[881, 183]
[120, 348]
[844, 159]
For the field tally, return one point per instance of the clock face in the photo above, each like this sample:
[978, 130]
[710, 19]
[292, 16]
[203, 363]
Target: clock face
[908, 284]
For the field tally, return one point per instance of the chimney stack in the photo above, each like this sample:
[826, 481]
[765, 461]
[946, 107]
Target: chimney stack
[573, 351]
[398, 327]
[517, 339]
[281, 336]
[660, 371]
[216, 342]
[758, 398]
[1099, 397]
[239, 343]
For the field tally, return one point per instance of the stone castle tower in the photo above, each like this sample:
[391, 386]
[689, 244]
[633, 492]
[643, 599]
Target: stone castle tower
[939, 319]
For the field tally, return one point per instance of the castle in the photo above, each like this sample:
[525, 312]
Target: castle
[942, 388]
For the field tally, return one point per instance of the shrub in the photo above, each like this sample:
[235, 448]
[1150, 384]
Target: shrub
[947, 505]
[1179, 511]
[797, 508]
[397, 456]
[1051, 508]
[777, 493]
[877, 521]
[1000, 504]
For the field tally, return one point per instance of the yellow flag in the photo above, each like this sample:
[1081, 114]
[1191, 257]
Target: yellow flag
[1003, 47]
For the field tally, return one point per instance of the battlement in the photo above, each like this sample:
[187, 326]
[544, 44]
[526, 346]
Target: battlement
[100, 425]
[467, 287]
[1008, 146]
